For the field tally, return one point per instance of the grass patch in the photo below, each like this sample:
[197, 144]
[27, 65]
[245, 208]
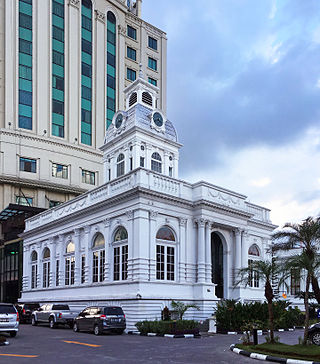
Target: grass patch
[306, 352]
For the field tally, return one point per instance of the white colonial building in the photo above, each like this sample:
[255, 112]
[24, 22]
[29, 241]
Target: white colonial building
[145, 237]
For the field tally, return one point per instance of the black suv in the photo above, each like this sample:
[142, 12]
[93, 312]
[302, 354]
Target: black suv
[25, 310]
[99, 319]
[314, 333]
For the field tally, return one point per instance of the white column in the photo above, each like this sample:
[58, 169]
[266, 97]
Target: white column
[182, 245]
[52, 247]
[166, 163]
[237, 260]
[201, 251]
[77, 256]
[244, 251]
[39, 265]
[175, 167]
[127, 160]
[61, 249]
[147, 162]
[208, 253]
[26, 279]
[153, 215]
[107, 244]
[88, 270]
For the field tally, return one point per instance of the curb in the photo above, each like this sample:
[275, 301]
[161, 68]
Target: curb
[152, 334]
[269, 357]
[260, 332]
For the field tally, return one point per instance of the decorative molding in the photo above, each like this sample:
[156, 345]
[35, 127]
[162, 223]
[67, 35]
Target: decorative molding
[100, 16]
[237, 231]
[122, 30]
[87, 229]
[75, 3]
[200, 222]
[130, 214]
[153, 214]
[76, 232]
[107, 223]
[182, 221]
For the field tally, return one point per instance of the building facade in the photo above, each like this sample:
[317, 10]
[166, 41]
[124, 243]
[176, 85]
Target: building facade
[64, 65]
[145, 237]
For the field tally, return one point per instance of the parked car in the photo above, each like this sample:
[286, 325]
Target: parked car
[9, 319]
[53, 314]
[25, 311]
[100, 319]
[314, 333]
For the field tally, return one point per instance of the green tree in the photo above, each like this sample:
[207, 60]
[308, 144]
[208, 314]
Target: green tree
[181, 308]
[266, 271]
[306, 236]
[303, 263]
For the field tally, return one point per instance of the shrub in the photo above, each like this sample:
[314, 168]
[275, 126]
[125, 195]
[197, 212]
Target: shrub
[168, 327]
[232, 315]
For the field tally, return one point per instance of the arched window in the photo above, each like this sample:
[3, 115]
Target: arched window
[34, 269]
[98, 258]
[254, 254]
[165, 254]
[120, 165]
[111, 66]
[254, 250]
[133, 99]
[46, 268]
[70, 264]
[147, 98]
[156, 164]
[120, 254]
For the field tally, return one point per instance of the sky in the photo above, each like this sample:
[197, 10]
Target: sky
[244, 96]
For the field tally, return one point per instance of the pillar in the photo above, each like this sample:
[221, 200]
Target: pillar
[77, 256]
[201, 251]
[106, 226]
[153, 215]
[208, 253]
[182, 244]
[237, 259]
[87, 269]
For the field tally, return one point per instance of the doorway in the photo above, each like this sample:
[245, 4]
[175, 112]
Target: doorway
[217, 263]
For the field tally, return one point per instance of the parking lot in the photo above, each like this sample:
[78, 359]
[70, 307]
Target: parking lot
[44, 345]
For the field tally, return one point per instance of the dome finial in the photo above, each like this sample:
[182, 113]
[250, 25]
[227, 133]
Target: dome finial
[140, 71]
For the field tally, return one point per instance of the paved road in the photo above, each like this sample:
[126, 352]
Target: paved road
[50, 346]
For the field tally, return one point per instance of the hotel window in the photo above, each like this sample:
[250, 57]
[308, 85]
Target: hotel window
[70, 264]
[98, 258]
[254, 254]
[86, 72]
[25, 64]
[156, 164]
[34, 269]
[59, 171]
[24, 201]
[131, 53]
[28, 165]
[295, 282]
[152, 63]
[141, 161]
[152, 81]
[131, 74]
[120, 254]
[88, 177]
[132, 32]
[57, 272]
[46, 268]
[152, 43]
[54, 203]
[111, 67]
[165, 254]
[120, 165]
[58, 71]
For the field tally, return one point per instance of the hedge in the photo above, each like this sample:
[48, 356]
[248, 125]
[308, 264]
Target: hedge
[168, 327]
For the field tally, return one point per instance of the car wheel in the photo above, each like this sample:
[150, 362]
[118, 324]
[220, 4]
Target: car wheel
[96, 330]
[52, 323]
[13, 333]
[316, 338]
[76, 327]
[33, 321]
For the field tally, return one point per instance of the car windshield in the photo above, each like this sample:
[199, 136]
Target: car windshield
[31, 306]
[60, 307]
[7, 309]
[113, 311]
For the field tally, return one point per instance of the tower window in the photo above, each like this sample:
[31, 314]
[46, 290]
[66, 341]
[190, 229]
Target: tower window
[156, 164]
[131, 74]
[152, 81]
[120, 165]
[133, 99]
[131, 53]
[147, 98]
[132, 32]
[28, 165]
[152, 63]
[153, 43]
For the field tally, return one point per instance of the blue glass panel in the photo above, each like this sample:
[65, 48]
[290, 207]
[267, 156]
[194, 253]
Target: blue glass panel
[25, 122]
[86, 128]
[57, 94]
[111, 92]
[25, 85]
[57, 46]
[58, 131]
[25, 72]
[25, 110]
[111, 71]
[58, 119]
[25, 34]
[25, 8]
[111, 48]
[25, 97]
[57, 21]
[85, 34]
[86, 104]
[86, 58]
[25, 59]
[58, 70]
[86, 81]
[85, 139]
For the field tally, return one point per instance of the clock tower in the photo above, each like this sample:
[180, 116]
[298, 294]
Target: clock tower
[140, 136]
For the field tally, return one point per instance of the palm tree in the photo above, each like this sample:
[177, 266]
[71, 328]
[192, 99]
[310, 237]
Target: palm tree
[303, 263]
[181, 308]
[305, 236]
[266, 271]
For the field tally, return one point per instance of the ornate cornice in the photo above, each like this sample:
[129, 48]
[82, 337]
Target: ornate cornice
[130, 214]
[182, 221]
[153, 214]
[75, 3]
[100, 16]
[122, 30]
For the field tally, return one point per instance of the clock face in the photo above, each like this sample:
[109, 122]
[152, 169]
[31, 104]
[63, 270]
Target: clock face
[158, 119]
[118, 121]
